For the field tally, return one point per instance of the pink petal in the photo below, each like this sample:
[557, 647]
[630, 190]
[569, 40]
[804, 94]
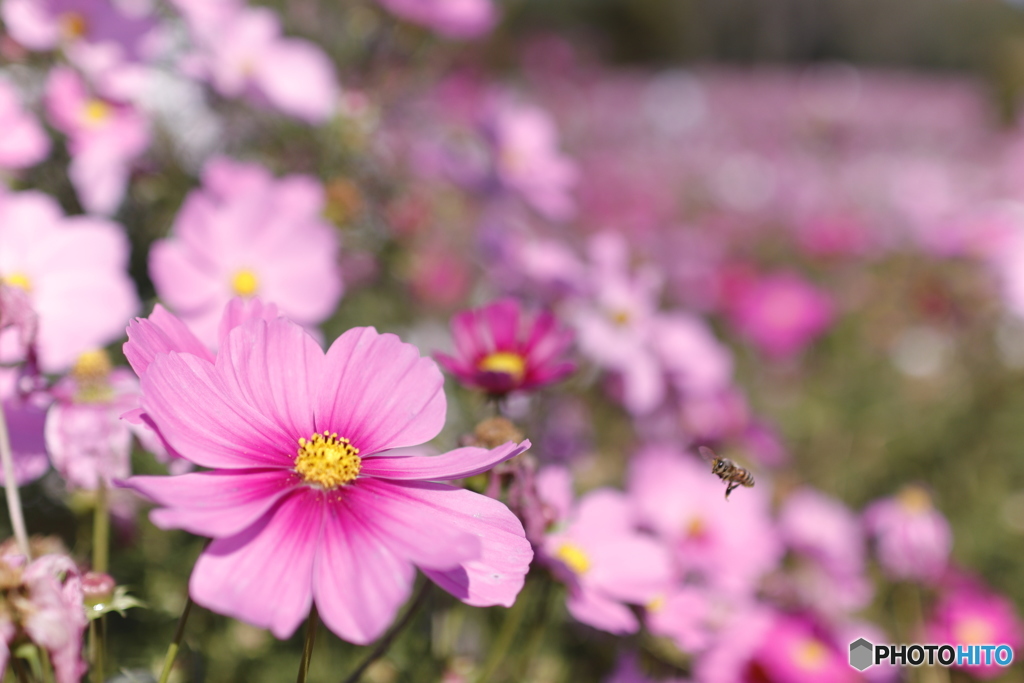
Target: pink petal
[298, 78]
[214, 504]
[185, 282]
[239, 311]
[359, 582]
[201, 420]
[466, 335]
[274, 367]
[596, 610]
[264, 574]
[161, 332]
[497, 577]
[379, 392]
[502, 320]
[462, 462]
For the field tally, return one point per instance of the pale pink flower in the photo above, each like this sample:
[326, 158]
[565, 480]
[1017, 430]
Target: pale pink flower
[686, 614]
[527, 160]
[970, 615]
[302, 500]
[451, 18]
[241, 52]
[728, 545]
[248, 234]
[823, 529]
[74, 272]
[26, 418]
[24, 142]
[605, 562]
[104, 138]
[913, 539]
[781, 313]
[501, 349]
[48, 24]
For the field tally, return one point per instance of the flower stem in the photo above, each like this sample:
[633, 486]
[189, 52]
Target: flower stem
[101, 531]
[96, 649]
[503, 642]
[307, 648]
[385, 641]
[179, 634]
[11, 489]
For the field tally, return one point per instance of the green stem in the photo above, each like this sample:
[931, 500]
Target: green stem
[101, 531]
[47, 666]
[307, 648]
[179, 634]
[11, 490]
[503, 642]
[96, 651]
[385, 641]
[19, 670]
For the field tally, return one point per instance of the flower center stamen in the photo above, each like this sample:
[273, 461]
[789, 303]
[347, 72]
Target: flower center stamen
[73, 25]
[245, 283]
[511, 364]
[327, 461]
[96, 112]
[574, 557]
[810, 655]
[19, 280]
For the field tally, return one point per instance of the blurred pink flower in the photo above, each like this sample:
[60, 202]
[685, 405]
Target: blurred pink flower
[451, 18]
[16, 315]
[795, 652]
[104, 138]
[913, 539]
[686, 614]
[628, 671]
[729, 545]
[87, 440]
[241, 52]
[500, 349]
[302, 501]
[24, 142]
[527, 160]
[26, 418]
[781, 313]
[48, 24]
[969, 615]
[74, 272]
[246, 234]
[823, 529]
[606, 563]
[47, 607]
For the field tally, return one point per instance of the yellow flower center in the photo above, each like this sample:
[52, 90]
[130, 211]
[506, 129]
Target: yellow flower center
[574, 557]
[73, 25]
[327, 461]
[696, 528]
[504, 361]
[810, 654]
[974, 631]
[245, 283]
[657, 604]
[620, 317]
[96, 112]
[19, 280]
[915, 499]
[92, 370]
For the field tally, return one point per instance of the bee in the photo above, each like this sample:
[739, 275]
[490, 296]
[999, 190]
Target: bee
[727, 471]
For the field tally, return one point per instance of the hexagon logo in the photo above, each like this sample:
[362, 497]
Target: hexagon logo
[861, 654]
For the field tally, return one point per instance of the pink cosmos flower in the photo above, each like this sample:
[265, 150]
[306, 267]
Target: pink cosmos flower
[303, 502]
[24, 142]
[241, 52]
[781, 313]
[104, 138]
[796, 652]
[48, 24]
[527, 159]
[46, 606]
[74, 272]
[913, 538]
[729, 545]
[26, 417]
[605, 562]
[501, 349]
[247, 234]
[87, 440]
[451, 18]
[970, 615]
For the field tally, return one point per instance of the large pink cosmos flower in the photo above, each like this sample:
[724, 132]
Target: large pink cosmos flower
[971, 615]
[248, 234]
[302, 500]
[501, 350]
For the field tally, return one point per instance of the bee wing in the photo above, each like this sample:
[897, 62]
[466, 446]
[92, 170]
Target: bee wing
[707, 454]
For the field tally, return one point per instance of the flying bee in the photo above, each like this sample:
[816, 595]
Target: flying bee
[727, 471]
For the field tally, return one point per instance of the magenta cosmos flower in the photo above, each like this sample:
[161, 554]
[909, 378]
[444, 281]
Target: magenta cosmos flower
[248, 234]
[970, 615]
[500, 349]
[913, 539]
[303, 502]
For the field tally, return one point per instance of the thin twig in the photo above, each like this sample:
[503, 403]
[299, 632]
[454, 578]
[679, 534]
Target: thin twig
[179, 634]
[307, 647]
[385, 641]
[11, 490]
